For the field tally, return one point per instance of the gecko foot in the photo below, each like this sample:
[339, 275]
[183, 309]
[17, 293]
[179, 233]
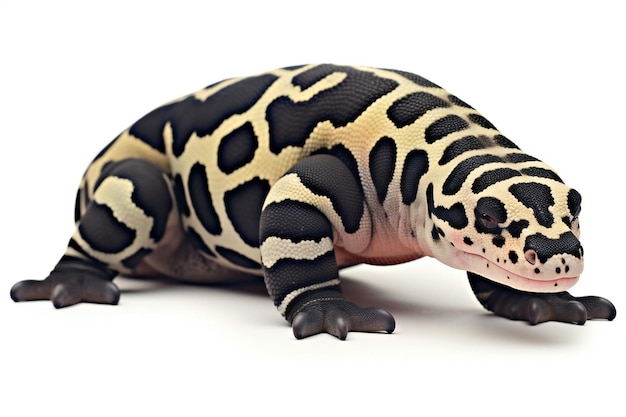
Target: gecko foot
[70, 282]
[539, 307]
[337, 316]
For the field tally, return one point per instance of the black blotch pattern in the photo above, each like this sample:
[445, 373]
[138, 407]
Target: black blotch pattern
[494, 176]
[567, 221]
[443, 127]
[459, 174]
[294, 220]
[465, 144]
[504, 142]
[236, 258]
[498, 241]
[291, 123]
[149, 129]
[435, 233]
[382, 163]
[455, 215]
[518, 158]
[494, 209]
[468, 241]
[203, 117]
[545, 247]
[316, 74]
[415, 166]
[430, 200]
[541, 173]
[243, 207]
[513, 257]
[200, 196]
[293, 67]
[517, 227]
[179, 194]
[409, 108]
[288, 275]
[458, 102]
[237, 148]
[344, 155]
[481, 121]
[573, 202]
[150, 190]
[103, 232]
[416, 79]
[326, 175]
[537, 197]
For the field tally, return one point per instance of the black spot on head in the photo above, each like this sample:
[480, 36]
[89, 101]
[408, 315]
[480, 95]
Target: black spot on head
[203, 117]
[443, 127]
[489, 213]
[415, 166]
[494, 176]
[516, 227]
[409, 108]
[455, 215]
[382, 163]
[518, 158]
[541, 173]
[465, 144]
[459, 174]
[513, 257]
[200, 196]
[504, 142]
[498, 241]
[545, 247]
[328, 176]
[458, 102]
[237, 148]
[291, 123]
[243, 207]
[481, 121]
[537, 197]
[468, 241]
[573, 202]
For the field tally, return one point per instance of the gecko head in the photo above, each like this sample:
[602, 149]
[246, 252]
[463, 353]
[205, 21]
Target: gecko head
[522, 232]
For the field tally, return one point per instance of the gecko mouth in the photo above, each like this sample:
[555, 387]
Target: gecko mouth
[532, 283]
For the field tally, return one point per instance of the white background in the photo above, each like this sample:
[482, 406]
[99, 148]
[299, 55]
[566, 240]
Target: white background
[550, 75]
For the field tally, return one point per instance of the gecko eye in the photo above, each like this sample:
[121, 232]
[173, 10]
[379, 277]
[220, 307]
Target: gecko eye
[490, 213]
[488, 222]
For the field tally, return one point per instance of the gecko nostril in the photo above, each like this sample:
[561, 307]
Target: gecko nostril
[531, 256]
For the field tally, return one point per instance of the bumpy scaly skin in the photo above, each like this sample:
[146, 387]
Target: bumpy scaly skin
[298, 172]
